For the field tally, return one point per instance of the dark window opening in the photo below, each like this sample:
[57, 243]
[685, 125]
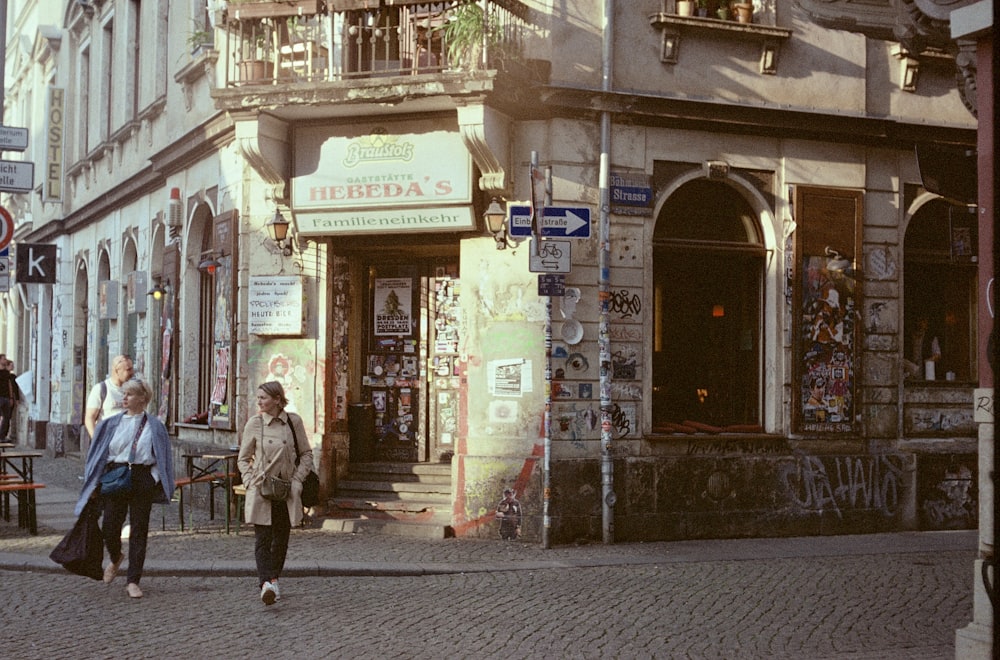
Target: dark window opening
[940, 276]
[707, 293]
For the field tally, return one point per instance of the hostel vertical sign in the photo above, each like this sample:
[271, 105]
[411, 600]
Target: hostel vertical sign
[52, 191]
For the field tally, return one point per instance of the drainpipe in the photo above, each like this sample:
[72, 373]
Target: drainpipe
[604, 287]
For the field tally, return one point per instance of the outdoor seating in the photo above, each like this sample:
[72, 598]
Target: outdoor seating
[24, 493]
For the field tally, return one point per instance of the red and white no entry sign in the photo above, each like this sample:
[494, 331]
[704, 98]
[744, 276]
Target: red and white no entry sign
[6, 228]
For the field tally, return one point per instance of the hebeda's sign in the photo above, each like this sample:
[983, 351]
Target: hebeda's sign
[357, 178]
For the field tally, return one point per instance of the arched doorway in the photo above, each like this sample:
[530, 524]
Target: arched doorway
[708, 274]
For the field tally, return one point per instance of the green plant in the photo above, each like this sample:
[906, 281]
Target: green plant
[467, 30]
[199, 38]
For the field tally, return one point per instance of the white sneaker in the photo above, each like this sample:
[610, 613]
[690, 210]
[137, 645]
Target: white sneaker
[267, 595]
[277, 591]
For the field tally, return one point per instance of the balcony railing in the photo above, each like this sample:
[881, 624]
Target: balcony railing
[268, 43]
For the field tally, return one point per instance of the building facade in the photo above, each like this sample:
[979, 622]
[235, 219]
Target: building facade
[769, 323]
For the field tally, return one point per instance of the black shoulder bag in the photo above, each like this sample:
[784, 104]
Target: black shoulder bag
[310, 485]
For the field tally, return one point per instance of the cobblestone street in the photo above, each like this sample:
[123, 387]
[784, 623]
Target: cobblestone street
[356, 596]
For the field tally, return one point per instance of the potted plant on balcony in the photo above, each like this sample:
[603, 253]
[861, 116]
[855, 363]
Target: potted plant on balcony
[702, 9]
[199, 38]
[465, 33]
[744, 11]
[684, 7]
[254, 65]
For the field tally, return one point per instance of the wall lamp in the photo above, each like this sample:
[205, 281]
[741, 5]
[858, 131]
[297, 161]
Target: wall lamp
[277, 229]
[157, 292]
[496, 223]
[209, 265]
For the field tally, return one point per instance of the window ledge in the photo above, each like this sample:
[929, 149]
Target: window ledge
[673, 26]
[202, 64]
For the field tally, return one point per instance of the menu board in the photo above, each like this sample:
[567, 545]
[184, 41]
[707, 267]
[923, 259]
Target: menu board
[275, 305]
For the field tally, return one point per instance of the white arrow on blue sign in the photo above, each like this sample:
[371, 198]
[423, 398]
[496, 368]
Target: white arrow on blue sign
[557, 222]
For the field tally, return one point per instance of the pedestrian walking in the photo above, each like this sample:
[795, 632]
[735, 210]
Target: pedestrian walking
[10, 395]
[140, 440]
[105, 398]
[509, 515]
[267, 461]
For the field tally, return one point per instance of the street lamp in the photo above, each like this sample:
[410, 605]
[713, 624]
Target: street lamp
[277, 229]
[496, 223]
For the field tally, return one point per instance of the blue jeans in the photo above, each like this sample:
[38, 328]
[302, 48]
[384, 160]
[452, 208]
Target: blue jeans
[136, 505]
[271, 543]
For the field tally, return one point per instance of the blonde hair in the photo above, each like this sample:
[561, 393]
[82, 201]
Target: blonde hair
[136, 386]
[119, 360]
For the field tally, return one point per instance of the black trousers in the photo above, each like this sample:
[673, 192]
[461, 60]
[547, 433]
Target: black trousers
[137, 505]
[271, 543]
[6, 412]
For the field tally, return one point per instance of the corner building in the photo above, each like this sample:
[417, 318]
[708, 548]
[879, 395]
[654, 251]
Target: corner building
[772, 214]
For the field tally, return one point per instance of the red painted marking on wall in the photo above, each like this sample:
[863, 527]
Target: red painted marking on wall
[520, 483]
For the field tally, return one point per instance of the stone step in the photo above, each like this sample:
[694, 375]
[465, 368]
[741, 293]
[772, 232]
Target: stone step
[400, 499]
[389, 528]
[393, 487]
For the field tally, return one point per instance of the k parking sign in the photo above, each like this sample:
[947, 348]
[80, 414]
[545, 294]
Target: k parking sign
[36, 263]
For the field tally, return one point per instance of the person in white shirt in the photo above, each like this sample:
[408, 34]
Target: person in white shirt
[105, 398]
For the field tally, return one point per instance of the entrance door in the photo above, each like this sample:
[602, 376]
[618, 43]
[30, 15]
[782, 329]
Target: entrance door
[411, 367]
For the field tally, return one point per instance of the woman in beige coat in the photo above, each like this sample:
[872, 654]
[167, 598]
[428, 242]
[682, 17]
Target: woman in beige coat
[268, 448]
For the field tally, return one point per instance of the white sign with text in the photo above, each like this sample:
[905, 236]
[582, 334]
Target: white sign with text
[275, 305]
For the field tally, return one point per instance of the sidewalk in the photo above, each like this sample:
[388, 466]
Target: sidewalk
[315, 552]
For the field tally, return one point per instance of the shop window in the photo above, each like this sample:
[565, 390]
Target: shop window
[939, 294]
[707, 325]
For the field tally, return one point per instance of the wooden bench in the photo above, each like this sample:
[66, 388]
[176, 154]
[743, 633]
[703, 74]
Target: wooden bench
[240, 495]
[24, 492]
[214, 480]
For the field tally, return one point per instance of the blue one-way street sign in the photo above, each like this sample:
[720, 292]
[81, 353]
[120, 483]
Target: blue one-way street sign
[558, 221]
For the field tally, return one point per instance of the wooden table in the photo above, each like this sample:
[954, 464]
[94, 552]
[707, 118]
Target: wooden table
[20, 464]
[217, 468]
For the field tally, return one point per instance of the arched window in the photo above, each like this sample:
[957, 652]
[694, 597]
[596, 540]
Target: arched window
[708, 260]
[939, 292]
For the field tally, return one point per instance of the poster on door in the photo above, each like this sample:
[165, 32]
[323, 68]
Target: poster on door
[393, 308]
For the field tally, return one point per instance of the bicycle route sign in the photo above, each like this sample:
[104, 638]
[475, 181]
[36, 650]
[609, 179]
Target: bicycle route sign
[551, 256]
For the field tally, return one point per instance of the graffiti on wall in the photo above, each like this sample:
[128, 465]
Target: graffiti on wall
[625, 304]
[293, 364]
[837, 483]
[947, 493]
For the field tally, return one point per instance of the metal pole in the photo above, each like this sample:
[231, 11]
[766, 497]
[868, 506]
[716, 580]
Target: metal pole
[990, 217]
[604, 288]
[539, 199]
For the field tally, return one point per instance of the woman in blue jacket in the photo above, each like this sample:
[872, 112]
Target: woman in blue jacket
[152, 478]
